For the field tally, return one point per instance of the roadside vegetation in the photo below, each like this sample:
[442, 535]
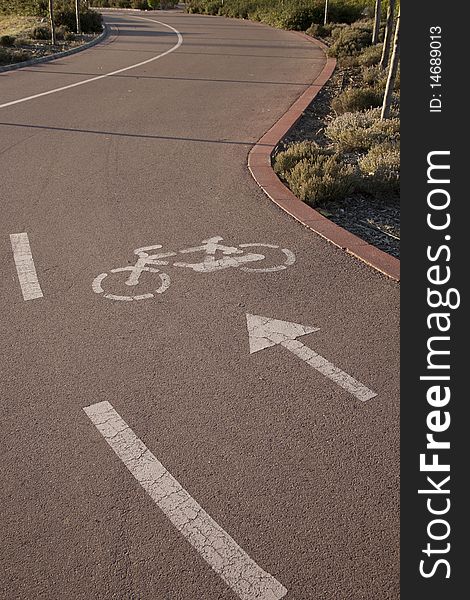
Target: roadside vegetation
[138, 4]
[26, 29]
[363, 148]
[343, 158]
[287, 14]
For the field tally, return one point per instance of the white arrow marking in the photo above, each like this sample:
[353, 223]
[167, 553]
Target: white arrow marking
[264, 332]
[215, 545]
[25, 268]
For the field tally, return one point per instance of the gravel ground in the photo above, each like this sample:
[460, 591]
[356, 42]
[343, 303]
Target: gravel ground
[375, 220]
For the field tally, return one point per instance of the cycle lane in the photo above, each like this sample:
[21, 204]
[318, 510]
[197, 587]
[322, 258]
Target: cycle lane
[251, 468]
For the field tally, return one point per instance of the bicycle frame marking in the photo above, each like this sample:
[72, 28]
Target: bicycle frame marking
[232, 257]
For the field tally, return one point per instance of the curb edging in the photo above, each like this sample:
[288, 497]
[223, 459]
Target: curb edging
[259, 164]
[49, 57]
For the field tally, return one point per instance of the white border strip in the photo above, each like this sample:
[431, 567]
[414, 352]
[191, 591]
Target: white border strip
[25, 266]
[98, 77]
[217, 548]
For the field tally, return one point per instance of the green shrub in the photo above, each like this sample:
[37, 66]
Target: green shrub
[206, 7]
[344, 11]
[370, 56]
[90, 20]
[315, 175]
[350, 41]
[377, 78]
[396, 87]
[41, 32]
[111, 3]
[298, 18]
[356, 99]
[287, 159]
[323, 180]
[362, 130]
[23, 7]
[4, 56]
[289, 14]
[164, 4]
[65, 20]
[142, 4]
[372, 76]
[66, 17]
[21, 55]
[12, 56]
[40, 7]
[381, 169]
[302, 15]
[318, 30]
[61, 32]
[257, 15]
[335, 29]
[7, 40]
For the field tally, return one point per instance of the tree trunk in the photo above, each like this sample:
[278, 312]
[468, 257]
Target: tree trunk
[378, 12]
[77, 13]
[325, 21]
[51, 19]
[392, 72]
[388, 35]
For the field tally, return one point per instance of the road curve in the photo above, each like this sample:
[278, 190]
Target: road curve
[297, 477]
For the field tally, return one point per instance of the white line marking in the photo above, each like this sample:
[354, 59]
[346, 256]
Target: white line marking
[217, 548]
[164, 285]
[98, 77]
[264, 332]
[25, 266]
[290, 259]
[325, 367]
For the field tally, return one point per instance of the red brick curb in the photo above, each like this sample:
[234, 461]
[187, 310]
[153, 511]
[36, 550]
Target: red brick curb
[259, 163]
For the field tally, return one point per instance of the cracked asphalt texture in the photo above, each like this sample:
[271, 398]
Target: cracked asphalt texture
[301, 474]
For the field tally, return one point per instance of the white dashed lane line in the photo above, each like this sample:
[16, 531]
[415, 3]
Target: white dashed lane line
[25, 268]
[214, 544]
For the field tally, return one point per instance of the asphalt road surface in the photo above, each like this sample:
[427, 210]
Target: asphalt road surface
[199, 469]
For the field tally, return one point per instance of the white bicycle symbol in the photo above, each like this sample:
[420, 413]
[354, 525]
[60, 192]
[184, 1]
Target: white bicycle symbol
[232, 257]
